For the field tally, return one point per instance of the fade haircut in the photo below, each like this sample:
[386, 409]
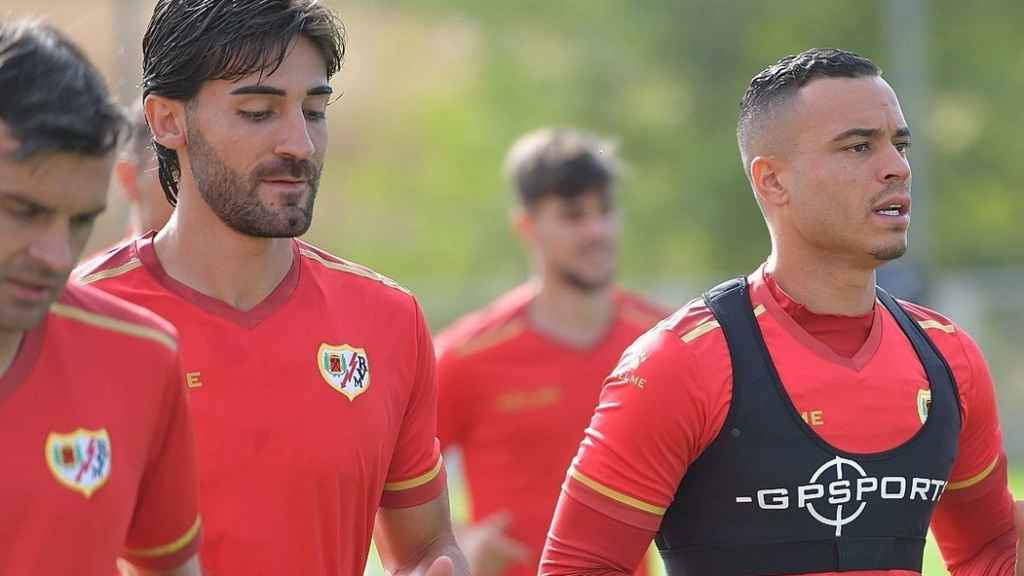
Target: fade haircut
[781, 81]
[52, 98]
[189, 42]
[560, 162]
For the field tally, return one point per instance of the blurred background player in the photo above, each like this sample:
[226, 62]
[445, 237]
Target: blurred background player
[312, 378]
[99, 461]
[137, 176]
[799, 421]
[519, 379]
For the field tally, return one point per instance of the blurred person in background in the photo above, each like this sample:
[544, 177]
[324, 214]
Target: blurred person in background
[800, 420]
[99, 456]
[312, 378]
[519, 379]
[137, 176]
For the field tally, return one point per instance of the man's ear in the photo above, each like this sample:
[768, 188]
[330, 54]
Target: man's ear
[166, 119]
[767, 181]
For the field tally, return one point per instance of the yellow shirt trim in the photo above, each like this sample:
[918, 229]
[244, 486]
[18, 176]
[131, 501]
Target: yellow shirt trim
[974, 479]
[616, 495]
[417, 481]
[111, 273]
[114, 325]
[947, 328]
[709, 325]
[167, 549]
[351, 269]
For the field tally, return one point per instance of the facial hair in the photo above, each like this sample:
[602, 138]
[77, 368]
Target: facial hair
[234, 198]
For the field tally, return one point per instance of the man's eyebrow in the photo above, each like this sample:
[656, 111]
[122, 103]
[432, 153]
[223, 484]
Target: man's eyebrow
[861, 132]
[258, 89]
[261, 89]
[27, 202]
[870, 133]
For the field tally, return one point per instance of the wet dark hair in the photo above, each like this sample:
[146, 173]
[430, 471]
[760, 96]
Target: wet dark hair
[560, 162]
[52, 99]
[785, 78]
[189, 42]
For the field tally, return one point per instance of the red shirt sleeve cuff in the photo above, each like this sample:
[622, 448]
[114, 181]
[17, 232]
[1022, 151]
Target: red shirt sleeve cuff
[613, 503]
[170, 555]
[415, 491]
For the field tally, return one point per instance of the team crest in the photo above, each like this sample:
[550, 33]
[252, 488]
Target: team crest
[345, 368]
[79, 460]
[924, 404]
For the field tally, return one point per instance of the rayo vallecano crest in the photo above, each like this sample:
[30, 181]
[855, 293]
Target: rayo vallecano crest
[924, 404]
[345, 368]
[79, 460]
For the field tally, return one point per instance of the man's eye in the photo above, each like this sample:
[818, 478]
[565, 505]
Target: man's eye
[254, 116]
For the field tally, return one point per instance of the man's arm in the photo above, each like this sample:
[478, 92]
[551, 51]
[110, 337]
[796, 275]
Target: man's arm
[973, 522]
[419, 540]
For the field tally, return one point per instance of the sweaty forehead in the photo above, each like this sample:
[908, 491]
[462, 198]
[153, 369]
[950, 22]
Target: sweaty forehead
[303, 68]
[829, 106]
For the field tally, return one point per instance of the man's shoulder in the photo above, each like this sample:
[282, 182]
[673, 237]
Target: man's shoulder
[105, 317]
[638, 310]
[496, 323]
[932, 321]
[341, 278]
[117, 262]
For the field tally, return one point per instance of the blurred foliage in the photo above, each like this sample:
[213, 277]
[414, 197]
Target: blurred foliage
[421, 196]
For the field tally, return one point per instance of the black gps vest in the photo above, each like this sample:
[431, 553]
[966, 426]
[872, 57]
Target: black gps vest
[768, 496]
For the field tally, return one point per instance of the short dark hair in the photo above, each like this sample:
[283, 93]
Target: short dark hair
[189, 42]
[782, 80]
[560, 162]
[52, 98]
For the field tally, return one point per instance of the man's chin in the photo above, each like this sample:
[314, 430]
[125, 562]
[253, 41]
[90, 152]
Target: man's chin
[588, 283]
[888, 253]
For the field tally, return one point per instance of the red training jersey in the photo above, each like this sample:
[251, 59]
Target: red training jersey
[311, 410]
[516, 402]
[668, 398]
[99, 456]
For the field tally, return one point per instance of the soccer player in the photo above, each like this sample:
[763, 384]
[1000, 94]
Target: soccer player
[312, 378]
[99, 458]
[798, 420]
[519, 379]
[136, 174]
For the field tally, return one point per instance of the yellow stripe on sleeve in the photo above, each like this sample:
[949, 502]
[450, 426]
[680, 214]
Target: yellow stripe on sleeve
[114, 324]
[700, 331]
[974, 479]
[947, 328]
[167, 549]
[111, 273]
[616, 495]
[417, 481]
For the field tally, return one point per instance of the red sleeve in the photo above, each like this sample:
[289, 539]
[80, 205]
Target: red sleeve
[582, 541]
[416, 475]
[165, 526]
[454, 398]
[658, 411]
[973, 521]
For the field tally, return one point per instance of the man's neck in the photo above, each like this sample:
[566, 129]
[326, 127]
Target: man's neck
[197, 249]
[569, 314]
[824, 285]
[10, 342]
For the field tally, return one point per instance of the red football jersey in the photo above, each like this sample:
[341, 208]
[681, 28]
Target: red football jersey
[516, 403]
[99, 456]
[311, 410]
[668, 398]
